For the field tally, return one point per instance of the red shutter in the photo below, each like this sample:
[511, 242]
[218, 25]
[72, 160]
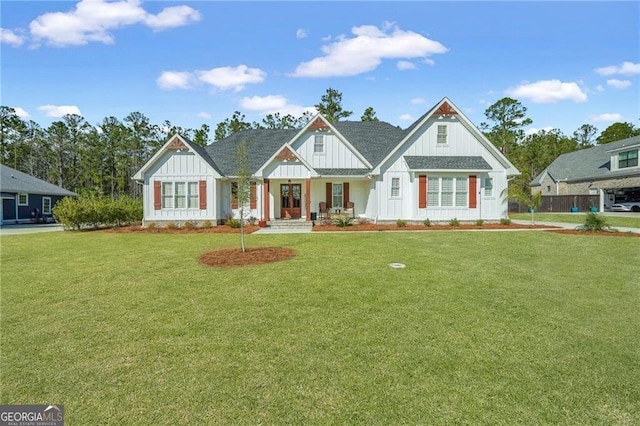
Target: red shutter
[202, 188]
[252, 195]
[328, 194]
[473, 192]
[345, 193]
[422, 192]
[157, 195]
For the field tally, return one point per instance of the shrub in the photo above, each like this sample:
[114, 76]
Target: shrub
[479, 222]
[595, 223]
[94, 210]
[400, 223]
[252, 220]
[454, 222]
[206, 224]
[188, 225]
[426, 222]
[151, 225]
[505, 221]
[233, 223]
[343, 221]
[171, 225]
[326, 221]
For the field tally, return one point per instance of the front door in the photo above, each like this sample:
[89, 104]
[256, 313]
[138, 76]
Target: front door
[290, 200]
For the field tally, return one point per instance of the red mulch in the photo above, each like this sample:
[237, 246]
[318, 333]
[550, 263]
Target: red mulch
[394, 227]
[234, 257]
[222, 229]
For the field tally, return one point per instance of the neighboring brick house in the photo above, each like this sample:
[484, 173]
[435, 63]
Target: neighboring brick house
[609, 172]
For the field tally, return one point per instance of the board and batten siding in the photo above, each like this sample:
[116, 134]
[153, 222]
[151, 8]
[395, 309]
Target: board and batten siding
[336, 154]
[286, 170]
[460, 142]
[181, 166]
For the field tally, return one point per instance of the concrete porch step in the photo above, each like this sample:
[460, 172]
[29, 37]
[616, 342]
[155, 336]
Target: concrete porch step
[290, 224]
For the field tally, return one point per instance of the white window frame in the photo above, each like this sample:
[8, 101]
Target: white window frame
[437, 196]
[627, 159]
[184, 200]
[488, 187]
[318, 144]
[335, 194]
[26, 199]
[395, 187]
[442, 135]
[46, 210]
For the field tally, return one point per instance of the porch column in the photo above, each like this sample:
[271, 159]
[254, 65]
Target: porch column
[265, 200]
[307, 196]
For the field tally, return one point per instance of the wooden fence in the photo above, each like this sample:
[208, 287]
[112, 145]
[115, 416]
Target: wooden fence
[559, 203]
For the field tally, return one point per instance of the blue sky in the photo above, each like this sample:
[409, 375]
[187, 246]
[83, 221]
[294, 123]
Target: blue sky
[195, 63]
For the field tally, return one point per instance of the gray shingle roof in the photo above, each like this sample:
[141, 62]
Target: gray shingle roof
[263, 144]
[343, 172]
[446, 163]
[591, 163]
[202, 153]
[14, 181]
[373, 139]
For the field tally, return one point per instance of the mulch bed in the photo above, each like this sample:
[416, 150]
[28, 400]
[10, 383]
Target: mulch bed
[158, 230]
[597, 234]
[234, 257]
[394, 227]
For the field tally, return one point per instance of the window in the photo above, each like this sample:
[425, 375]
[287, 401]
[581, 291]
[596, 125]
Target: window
[433, 191]
[318, 144]
[488, 187]
[46, 205]
[234, 195]
[448, 191]
[23, 199]
[442, 134]
[628, 159]
[180, 195]
[167, 195]
[395, 187]
[336, 199]
[192, 200]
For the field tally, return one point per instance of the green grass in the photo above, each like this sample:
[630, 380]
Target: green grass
[631, 221]
[479, 328]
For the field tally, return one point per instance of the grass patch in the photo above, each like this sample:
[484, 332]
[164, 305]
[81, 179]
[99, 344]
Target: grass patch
[632, 221]
[480, 328]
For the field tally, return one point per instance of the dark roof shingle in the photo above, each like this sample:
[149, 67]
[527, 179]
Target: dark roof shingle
[15, 181]
[446, 163]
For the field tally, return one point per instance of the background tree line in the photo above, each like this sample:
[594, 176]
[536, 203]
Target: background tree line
[102, 158]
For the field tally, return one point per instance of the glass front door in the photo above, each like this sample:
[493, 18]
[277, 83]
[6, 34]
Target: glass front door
[290, 200]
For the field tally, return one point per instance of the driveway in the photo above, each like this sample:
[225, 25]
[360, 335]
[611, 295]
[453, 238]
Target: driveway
[29, 228]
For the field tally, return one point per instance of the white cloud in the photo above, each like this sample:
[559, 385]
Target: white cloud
[607, 117]
[22, 113]
[169, 80]
[300, 34]
[365, 51]
[271, 104]
[429, 61]
[534, 130]
[625, 68]
[171, 17]
[618, 84]
[225, 78]
[406, 117]
[59, 110]
[11, 38]
[599, 88]
[418, 101]
[406, 65]
[549, 91]
[92, 21]
[204, 115]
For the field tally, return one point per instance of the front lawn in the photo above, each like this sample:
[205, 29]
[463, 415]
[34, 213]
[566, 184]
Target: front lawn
[479, 328]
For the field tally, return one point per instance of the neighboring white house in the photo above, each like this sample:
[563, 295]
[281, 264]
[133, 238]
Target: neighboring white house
[439, 168]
